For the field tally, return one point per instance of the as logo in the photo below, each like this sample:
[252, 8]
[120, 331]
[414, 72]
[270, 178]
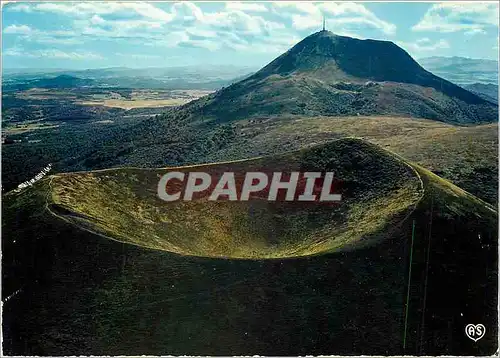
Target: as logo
[475, 331]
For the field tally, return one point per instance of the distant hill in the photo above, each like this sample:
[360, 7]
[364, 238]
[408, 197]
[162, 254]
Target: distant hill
[60, 81]
[182, 77]
[326, 74]
[63, 81]
[462, 70]
[488, 91]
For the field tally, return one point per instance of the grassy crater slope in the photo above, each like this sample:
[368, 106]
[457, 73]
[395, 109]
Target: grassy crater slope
[68, 291]
[467, 156]
[378, 190]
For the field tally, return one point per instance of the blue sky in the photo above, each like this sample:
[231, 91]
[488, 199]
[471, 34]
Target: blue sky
[163, 34]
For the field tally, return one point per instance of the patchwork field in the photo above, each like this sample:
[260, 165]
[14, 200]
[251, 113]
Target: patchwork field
[146, 99]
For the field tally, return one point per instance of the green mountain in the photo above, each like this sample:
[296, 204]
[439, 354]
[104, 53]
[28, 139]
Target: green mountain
[326, 74]
[252, 229]
[60, 81]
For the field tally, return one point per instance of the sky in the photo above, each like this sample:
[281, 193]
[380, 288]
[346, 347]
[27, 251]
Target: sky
[83, 35]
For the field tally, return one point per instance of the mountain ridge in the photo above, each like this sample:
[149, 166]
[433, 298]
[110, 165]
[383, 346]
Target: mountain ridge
[462, 70]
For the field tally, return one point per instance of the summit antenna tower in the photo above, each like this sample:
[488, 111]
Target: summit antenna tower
[323, 22]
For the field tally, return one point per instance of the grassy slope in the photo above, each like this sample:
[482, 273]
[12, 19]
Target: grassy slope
[82, 293]
[467, 156]
[299, 94]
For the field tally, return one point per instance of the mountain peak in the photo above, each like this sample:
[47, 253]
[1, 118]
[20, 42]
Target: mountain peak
[322, 33]
[329, 74]
[345, 58]
[333, 58]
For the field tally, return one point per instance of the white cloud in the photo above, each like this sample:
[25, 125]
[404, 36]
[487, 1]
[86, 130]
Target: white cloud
[56, 40]
[272, 45]
[453, 17]
[475, 31]
[138, 56]
[100, 28]
[85, 9]
[187, 10]
[74, 55]
[337, 9]
[235, 20]
[201, 33]
[340, 17]
[60, 37]
[238, 25]
[149, 21]
[13, 51]
[18, 30]
[423, 40]
[285, 7]
[19, 7]
[207, 44]
[423, 45]
[52, 53]
[171, 39]
[97, 20]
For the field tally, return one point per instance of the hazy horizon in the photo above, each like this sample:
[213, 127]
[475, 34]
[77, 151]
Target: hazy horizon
[56, 69]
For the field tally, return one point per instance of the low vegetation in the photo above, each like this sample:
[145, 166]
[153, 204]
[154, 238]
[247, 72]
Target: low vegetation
[465, 155]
